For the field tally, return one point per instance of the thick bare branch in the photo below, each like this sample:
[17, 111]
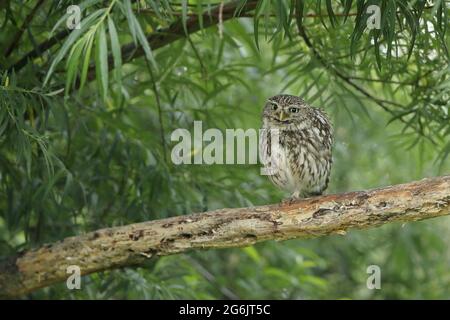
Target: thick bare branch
[313, 217]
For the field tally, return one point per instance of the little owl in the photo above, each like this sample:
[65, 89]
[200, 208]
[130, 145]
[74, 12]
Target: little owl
[301, 159]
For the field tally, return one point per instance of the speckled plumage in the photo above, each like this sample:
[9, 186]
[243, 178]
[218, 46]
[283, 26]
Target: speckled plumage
[302, 158]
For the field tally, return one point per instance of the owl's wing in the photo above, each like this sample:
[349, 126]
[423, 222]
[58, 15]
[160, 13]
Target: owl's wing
[264, 146]
[324, 124]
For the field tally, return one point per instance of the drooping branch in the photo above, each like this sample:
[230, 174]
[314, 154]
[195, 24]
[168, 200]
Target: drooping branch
[131, 245]
[36, 52]
[331, 67]
[157, 39]
[25, 25]
[178, 30]
[384, 104]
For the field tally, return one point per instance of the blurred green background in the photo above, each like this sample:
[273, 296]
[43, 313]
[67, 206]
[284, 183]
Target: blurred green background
[73, 161]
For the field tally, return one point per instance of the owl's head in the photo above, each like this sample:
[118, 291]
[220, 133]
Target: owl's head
[283, 110]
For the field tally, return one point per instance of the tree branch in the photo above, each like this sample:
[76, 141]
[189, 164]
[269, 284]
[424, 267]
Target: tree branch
[152, 12]
[36, 52]
[16, 38]
[176, 30]
[156, 40]
[348, 80]
[131, 245]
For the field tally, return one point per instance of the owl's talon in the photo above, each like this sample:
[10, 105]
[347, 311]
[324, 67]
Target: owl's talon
[288, 201]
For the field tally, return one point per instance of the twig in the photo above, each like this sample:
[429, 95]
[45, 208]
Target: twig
[177, 31]
[158, 104]
[338, 73]
[24, 26]
[247, 15]
[380, 102]
[36, 52]
[220, 24]
[383, 81]
[199, 58]
[212, 279]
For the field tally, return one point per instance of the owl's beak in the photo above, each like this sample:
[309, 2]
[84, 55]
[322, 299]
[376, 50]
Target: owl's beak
[283, 116]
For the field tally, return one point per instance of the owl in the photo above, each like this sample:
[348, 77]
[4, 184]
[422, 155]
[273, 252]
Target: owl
[299, 150]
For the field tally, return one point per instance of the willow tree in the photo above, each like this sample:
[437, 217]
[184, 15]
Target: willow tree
[90, 93]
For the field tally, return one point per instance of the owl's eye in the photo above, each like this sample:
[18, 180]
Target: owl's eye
[274, 106]
[293, 110]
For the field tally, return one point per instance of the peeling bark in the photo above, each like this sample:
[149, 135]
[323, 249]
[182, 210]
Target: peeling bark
[313, 217]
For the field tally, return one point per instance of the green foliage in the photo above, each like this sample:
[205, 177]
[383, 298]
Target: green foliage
[78, 154]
